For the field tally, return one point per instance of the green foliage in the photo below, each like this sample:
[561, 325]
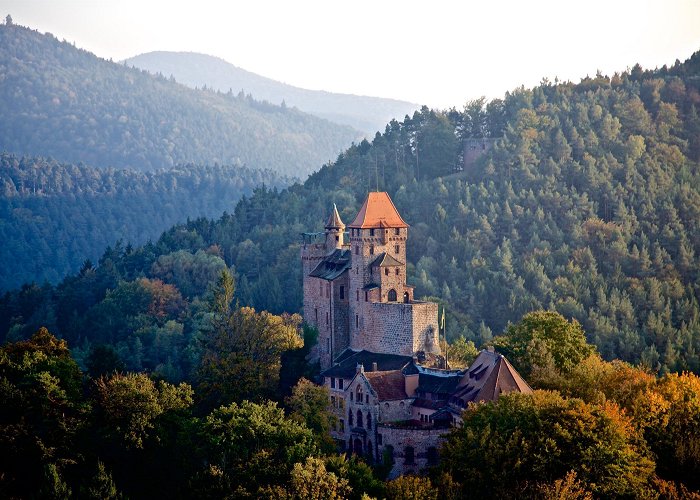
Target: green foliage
[256, 444]
[544, 337]
[64, 102]
[506, 445]
[669, 414]
[131, 404]
[101, 486]
[55, 215]
[411, 488]
[461, 353]
[312, 481]
[309, 404]
[40, 415]
[245, 347]
[360, 476]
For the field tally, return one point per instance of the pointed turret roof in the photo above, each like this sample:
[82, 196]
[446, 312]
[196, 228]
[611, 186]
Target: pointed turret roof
[334, 221]
[378, 211]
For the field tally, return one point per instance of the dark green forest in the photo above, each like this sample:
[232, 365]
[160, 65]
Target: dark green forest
[595, 429]
[572, 246]
[54, 216]
[588, 204]
[60, 101]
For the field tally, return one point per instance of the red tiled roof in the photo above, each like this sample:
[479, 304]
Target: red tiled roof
[378, 211]
[388, 385]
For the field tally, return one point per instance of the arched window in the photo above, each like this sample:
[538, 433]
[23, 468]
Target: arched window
[406, 299]
[409, 455]
[350, 418]
[359, 393]
[359, 418]
[392, 295]
[369, 421]
[432, 455]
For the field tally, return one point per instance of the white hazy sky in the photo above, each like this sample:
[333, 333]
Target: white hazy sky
[439, 53]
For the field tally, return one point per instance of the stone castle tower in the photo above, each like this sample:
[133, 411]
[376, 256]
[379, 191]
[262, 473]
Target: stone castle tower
[356, 294]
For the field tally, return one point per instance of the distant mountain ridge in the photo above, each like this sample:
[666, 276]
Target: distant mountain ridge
[369, 114]
[60, 101]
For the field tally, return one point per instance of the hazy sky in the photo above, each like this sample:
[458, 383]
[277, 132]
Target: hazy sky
[432, 52]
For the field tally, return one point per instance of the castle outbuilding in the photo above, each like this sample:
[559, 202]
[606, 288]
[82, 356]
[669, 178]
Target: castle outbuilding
[390, 387]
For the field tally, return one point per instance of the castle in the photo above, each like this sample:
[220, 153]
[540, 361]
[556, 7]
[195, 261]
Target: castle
[390, 387]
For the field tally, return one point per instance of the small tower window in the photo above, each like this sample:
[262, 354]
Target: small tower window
[371, 232]
[386, 271]
[357, 250]
[371, 249]
[397, 231]
[409, 455]
[326, 317]
[357, 295]
[397, 271]
[397, 249]
[366, 296]
[342, 292]
[337, 238]
[357, 325]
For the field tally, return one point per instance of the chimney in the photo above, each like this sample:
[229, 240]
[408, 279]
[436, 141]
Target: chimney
[374, 366]
[490, 349]
[360, 368]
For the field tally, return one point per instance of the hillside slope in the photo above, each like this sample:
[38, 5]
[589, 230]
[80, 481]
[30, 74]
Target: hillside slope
[588, 204]
[60, 101]
[54, 216]
[368, 114]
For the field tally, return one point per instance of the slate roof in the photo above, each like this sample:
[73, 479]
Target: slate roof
[389, 385]
[347, 361]
[436, 384]
[384, 259]
[332, 265]
[431, 404]
[378, 211]
[488, 376]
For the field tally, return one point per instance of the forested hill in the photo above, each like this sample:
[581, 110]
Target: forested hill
[368, 114]
[60, 101]
[54, 216]
[589, 204]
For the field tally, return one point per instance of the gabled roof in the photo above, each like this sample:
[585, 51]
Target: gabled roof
[347, 361]
[378, 211]
[434, 384]
[488, 376]
[334, 221]
[384, 259]
[332, 265]
[389, 385]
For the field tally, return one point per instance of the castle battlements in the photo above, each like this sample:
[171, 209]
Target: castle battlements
[355, 290]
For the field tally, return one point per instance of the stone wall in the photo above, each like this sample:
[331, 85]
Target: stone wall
[399, 439]
[399, 328]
